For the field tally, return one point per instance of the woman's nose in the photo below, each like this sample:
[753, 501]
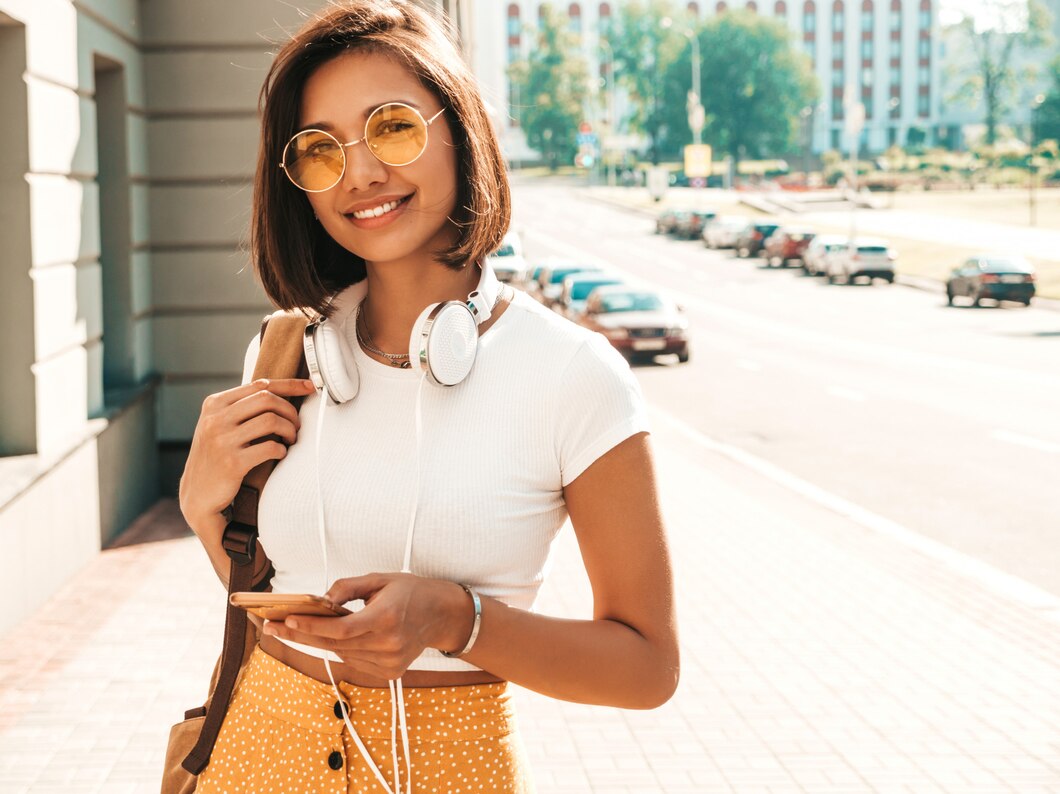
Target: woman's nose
[363, 169]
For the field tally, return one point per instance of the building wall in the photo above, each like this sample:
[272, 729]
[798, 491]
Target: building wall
[127, 147]
[836, 50]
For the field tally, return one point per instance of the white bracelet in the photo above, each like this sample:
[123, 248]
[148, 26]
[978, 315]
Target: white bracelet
[474, 626]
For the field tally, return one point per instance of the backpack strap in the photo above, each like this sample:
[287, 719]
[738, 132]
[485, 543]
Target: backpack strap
[280, 356]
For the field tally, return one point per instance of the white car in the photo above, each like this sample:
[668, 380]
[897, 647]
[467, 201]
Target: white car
[866, 257]
[507, 261]
[821, 247]
[723, 231]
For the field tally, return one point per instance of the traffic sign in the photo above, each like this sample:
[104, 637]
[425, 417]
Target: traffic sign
[698, 160]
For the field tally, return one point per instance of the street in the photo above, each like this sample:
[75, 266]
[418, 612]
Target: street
[943, 420]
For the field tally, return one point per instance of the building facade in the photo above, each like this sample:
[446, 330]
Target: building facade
[129, 133]
[883, 52]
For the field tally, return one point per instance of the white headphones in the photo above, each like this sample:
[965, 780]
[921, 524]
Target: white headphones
[443, 342]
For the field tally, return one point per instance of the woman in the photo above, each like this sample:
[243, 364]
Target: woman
[380, 190]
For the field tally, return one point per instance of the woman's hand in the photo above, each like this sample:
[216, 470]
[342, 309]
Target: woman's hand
[223, 448]
[403, 615]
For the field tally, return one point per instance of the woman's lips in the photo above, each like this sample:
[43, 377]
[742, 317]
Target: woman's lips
[378, 221]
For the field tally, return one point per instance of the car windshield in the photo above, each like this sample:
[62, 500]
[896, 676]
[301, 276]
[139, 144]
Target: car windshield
[631, 302]
[1004, 265]
[580, 290]
[558, 275]
[505, 250]
[766, 229]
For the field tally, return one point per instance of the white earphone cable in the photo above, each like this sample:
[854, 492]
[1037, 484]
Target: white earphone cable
[323, 395]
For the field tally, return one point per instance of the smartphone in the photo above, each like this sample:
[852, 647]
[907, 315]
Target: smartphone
[277, 606]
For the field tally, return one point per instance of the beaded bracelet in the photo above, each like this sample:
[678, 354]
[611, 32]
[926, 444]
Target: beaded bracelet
[474, 626]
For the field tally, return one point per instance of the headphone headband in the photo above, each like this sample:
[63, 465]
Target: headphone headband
[482, 300]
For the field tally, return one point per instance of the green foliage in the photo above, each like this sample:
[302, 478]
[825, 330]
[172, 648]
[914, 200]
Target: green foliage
[992, 78]
[643, 49]
[754, 81]
[1048, 121]
[553, 81]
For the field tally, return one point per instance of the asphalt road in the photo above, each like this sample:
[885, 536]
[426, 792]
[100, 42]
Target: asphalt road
[944, 420]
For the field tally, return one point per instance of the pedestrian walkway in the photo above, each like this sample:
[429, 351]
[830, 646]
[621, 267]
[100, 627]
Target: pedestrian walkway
[818, 656]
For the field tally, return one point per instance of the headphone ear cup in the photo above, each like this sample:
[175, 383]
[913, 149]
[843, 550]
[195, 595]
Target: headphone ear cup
[331, 356]
[444, 341]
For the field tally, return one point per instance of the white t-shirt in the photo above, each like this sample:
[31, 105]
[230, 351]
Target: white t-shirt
[544, 399]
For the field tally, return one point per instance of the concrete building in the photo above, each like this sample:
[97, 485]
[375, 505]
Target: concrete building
[884, 51]
[129, 133]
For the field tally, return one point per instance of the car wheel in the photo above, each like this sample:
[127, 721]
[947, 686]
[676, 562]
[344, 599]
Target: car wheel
[977, 301]
[683, 357]
[1027, 303]
[831, 278]
[949, 297]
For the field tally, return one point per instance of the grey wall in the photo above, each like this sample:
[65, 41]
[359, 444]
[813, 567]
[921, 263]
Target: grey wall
[127, 148]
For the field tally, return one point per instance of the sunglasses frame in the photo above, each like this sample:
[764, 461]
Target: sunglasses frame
[343, 146]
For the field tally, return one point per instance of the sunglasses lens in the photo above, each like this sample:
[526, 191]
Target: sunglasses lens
[313, 160]
[397, 134]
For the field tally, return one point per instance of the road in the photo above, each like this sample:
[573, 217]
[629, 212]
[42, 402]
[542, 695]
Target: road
[942, 421]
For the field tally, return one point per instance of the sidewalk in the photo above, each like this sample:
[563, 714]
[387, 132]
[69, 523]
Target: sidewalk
[818, 656]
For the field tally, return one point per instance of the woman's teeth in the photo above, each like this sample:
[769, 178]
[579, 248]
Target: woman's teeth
[377, 211]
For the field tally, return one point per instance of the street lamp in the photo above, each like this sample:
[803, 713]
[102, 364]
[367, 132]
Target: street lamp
[611, 126]
[805, 115]
[1036, 105]
[696, 113]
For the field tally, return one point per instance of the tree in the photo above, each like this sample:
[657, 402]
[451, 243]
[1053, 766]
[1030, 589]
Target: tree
[642, 50]
[554, 79]
[993, 76]
[1048, 120]
[754, 81]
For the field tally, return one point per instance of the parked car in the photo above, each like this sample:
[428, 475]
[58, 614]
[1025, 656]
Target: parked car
[787, 245]
[753, 238]
[992, 276]
[552, 275]
[638, 322]
[576, 289]
[690, 226]
[865, 258]
[507, 261]
[814, 258]
[723, 230]
[667, 220]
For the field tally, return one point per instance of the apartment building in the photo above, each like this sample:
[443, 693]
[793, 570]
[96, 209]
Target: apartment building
[884, 52]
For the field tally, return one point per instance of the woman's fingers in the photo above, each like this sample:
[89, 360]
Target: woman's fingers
[266, 424]
[266, 396]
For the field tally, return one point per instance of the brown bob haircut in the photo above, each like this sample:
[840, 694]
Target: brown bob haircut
[298, 263]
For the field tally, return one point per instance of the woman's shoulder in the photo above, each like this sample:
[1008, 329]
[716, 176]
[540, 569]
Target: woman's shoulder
[546, 331]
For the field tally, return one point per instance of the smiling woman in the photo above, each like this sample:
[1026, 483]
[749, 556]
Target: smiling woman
[429, 510]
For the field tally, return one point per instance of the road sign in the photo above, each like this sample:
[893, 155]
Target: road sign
[698, 160]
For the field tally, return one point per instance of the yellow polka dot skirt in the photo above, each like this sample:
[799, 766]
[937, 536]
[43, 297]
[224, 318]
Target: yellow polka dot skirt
[284, 732]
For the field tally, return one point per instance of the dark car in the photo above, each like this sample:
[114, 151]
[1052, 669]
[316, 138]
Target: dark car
[787, 245]
[690, 226]
[667, 221]
[992, 276]
[752, 240]
[639, 323]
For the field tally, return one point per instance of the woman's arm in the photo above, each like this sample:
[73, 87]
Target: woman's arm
[627, 656]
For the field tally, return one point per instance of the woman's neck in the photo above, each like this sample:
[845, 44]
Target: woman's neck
[397, 294]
